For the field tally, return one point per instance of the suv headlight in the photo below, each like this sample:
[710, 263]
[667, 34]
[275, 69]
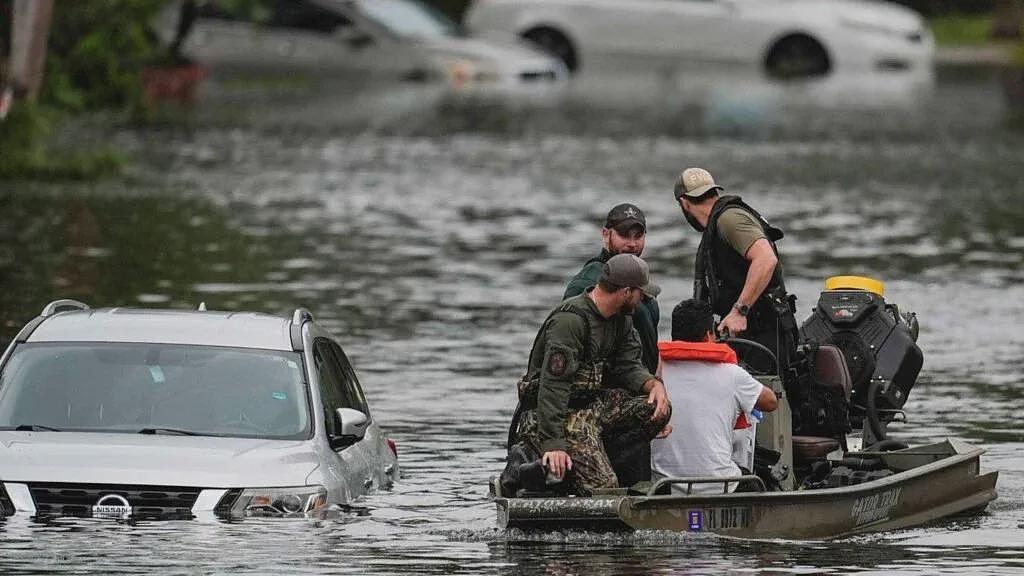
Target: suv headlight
[280, 502]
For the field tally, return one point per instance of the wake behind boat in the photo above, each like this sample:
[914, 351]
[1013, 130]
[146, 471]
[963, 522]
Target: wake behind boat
[805, 485]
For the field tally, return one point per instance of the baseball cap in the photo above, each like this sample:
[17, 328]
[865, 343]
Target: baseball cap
[629, 271]
[625, 216]
[694, 183]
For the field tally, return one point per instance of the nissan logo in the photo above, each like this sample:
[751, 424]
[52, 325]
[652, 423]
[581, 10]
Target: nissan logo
[112, 506]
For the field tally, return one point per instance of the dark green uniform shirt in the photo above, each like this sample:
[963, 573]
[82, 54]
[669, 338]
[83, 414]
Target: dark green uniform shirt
[645, 318]
[560, 354]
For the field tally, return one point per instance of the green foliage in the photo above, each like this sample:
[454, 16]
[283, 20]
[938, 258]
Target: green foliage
[19, 135]
[23, 136]
[96, 50]
[95, 53]
[959, 30]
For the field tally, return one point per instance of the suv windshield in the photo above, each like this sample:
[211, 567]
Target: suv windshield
[155, 388]
[410, 18]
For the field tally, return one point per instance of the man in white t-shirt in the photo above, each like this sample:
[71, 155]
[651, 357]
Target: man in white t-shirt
[708, 392]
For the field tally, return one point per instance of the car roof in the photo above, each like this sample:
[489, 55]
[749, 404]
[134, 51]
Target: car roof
[202, 328]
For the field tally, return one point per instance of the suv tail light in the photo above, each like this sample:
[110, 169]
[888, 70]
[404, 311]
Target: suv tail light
[393, 446]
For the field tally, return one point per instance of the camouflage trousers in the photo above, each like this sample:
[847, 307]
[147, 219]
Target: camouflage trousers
[611, 413]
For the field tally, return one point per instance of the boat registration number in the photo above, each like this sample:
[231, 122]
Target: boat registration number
[719, 518]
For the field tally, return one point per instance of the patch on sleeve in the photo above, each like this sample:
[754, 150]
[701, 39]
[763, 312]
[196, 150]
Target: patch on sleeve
[560, 362]
[557, 363]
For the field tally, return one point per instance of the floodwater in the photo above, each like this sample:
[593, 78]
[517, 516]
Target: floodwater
[432, 234]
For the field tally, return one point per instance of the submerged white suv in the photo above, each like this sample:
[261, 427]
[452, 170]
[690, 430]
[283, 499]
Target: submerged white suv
[167, 414]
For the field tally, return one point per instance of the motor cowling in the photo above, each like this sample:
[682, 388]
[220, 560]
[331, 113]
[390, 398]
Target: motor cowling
[877, 341]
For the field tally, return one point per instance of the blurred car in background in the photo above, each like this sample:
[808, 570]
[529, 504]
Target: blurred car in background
[353, 41]
[788, 38]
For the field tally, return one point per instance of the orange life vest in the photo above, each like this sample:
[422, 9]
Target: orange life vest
[678, 351]
[700, 351]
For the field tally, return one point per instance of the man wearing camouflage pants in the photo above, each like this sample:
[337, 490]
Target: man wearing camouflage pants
[586, 377]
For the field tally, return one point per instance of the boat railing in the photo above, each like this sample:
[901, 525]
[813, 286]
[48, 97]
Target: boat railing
[691, 480]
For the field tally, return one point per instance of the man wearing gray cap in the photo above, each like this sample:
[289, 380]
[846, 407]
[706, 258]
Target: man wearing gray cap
[586, 379]
[737, 267]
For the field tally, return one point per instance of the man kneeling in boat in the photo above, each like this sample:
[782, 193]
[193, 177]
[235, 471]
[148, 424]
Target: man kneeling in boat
[586, 379]
[709, 392]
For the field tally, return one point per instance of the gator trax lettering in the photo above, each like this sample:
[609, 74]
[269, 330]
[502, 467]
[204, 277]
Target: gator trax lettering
[876, 507]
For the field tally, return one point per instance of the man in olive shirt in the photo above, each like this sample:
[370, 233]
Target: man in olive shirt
[624, 232]
[585, 378]
[737, 265]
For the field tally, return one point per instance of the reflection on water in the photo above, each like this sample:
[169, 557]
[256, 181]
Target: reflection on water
[433, 240]
[115, 247]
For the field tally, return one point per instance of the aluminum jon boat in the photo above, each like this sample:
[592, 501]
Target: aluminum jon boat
[927, 483]
[854, 369]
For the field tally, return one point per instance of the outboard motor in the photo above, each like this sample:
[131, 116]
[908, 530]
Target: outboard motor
[878, 343]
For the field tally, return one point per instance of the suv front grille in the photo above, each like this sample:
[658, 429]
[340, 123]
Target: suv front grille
[147, 502]
[6, 506]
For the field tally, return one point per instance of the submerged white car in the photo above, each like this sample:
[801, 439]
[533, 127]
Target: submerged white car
[787, 38]
[171, 414]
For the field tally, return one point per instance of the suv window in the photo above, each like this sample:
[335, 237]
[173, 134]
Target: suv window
[130, 387]
[332, 389]
[296, 14]
[353, 391]
[305, 15]
[255, 11]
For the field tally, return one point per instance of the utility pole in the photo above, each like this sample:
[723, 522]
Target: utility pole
[30, 28]
[6, 94]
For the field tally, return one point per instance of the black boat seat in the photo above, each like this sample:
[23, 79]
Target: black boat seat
[831, 371]
[812, 447]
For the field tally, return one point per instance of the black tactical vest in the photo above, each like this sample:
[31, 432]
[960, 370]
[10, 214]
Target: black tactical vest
[721, 272]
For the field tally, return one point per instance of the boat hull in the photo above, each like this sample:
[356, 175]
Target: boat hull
[931, 482]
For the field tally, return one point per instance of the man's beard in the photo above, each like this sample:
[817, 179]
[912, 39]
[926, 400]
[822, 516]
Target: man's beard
[693, 221]
[616, 252]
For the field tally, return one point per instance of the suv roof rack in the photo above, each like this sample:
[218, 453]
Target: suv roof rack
[57, 305]
[299, 317]
[48, 310]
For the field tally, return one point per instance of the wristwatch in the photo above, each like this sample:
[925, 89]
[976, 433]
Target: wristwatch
[743, 309]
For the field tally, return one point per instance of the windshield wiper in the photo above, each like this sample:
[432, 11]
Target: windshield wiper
[174, 431]
[36, 428]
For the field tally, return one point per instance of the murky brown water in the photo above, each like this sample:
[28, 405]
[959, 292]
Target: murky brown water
[433, 236]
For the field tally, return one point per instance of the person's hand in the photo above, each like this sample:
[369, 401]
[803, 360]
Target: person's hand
[659, 397]
[557, 462]
[665, 431]
[733, 324]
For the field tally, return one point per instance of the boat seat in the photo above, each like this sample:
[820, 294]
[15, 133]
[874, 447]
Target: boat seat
[812, 447]
[831, 371]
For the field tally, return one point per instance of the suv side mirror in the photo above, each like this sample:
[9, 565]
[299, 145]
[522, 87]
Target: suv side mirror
[353, 427]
